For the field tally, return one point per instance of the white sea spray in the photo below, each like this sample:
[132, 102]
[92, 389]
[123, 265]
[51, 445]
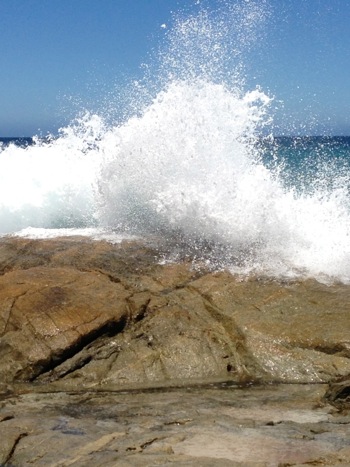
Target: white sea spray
[187, 168]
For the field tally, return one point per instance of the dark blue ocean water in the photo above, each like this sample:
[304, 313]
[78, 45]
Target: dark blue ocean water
[305, 160]
[17, 141]
[295, 151]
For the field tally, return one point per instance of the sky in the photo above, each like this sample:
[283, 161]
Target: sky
[61, 56]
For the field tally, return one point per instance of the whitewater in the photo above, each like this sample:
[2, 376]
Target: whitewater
[186, 168]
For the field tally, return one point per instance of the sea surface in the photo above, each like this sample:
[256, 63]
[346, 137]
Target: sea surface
[194, 164]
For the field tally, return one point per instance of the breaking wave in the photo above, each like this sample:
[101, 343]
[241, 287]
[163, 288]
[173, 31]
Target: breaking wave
[188, 167]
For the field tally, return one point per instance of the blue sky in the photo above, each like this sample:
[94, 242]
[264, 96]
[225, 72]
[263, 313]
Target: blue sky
[58, 56]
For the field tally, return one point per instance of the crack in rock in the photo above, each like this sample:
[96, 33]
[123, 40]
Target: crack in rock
[110, 329]
[13, 449]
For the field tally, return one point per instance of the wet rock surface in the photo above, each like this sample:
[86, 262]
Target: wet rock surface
[89, 330]
[201, 425]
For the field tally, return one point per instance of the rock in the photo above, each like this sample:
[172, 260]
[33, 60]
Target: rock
[9, 441]
[297, 331]
[338, 394]
[78, 312]
[111, 356]
[209, 425]
[47, 315]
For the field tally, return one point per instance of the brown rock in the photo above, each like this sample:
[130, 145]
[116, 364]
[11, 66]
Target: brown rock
[297, 331]
[48, 314]
[64, 303]
[90, 319]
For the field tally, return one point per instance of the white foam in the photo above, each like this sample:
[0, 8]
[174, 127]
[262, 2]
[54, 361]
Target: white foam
[93, 233]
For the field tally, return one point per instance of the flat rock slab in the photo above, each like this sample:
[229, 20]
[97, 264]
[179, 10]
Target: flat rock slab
[208, 425]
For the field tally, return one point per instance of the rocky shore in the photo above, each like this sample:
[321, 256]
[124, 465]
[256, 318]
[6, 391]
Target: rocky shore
[110, 356]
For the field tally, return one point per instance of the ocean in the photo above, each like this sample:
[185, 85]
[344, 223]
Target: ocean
[194, 165]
